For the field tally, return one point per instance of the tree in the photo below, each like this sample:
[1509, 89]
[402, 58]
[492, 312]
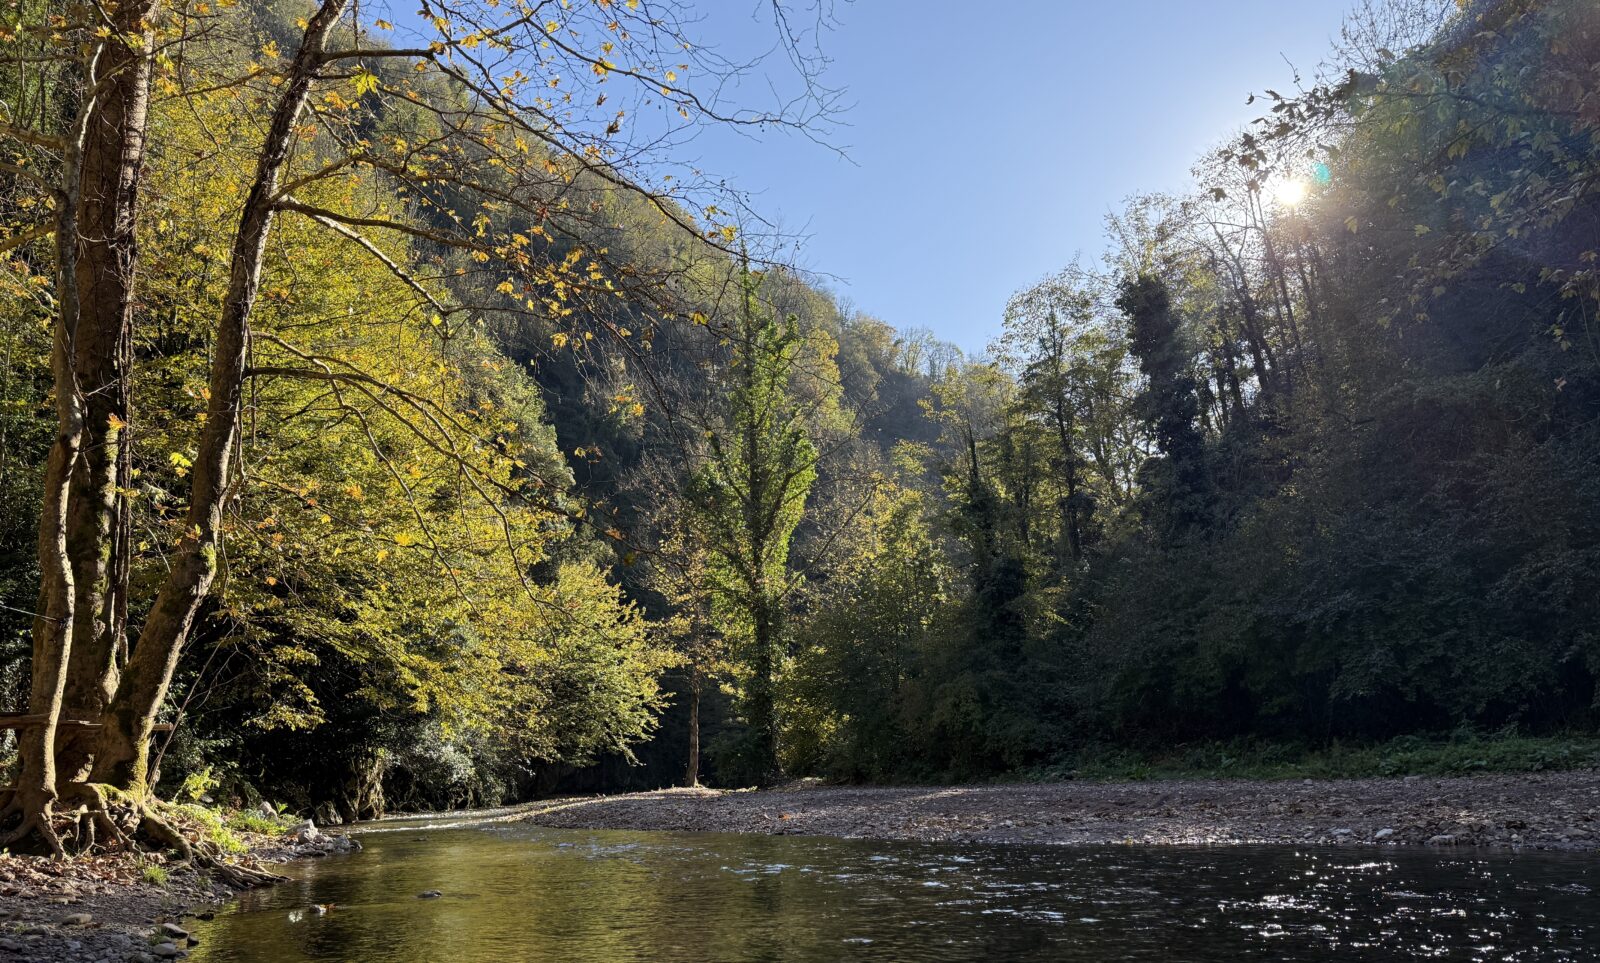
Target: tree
[748, 494]
[544, 165]
[1168, 401]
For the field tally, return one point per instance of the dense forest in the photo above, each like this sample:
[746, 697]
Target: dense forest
[412, 429]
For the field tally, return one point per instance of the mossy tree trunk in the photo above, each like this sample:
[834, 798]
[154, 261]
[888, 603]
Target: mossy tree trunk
[106, 268]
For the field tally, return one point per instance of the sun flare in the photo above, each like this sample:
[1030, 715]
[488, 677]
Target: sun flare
[1289, 192]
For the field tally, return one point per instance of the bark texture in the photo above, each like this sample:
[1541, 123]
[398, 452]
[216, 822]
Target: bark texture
[105, 270]
[121, 758]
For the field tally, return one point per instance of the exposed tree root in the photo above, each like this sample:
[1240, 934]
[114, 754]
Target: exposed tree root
[37, 825]
[240, 877]
[96, 829]
[100, 818]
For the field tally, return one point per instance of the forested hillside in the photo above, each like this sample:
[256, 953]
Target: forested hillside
[413, 430]
[1308, 456]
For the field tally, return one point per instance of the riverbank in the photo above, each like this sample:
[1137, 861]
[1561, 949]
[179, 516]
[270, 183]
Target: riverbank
[1549, 811]
[124, 908]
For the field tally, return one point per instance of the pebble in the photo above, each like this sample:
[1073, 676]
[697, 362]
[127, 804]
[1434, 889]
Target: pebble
[1443, 839]
[167, 951]
[10, 946]
[1384, 833]
[429, 894]
[77, 919]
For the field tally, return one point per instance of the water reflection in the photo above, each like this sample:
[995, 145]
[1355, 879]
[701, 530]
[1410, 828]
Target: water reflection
[518, 893]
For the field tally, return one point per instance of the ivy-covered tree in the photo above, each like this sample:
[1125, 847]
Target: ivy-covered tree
[748, 494]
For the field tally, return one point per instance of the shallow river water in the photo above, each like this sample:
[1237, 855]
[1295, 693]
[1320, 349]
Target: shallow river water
[513, 892]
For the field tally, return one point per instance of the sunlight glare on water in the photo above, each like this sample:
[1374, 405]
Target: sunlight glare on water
[519, 893]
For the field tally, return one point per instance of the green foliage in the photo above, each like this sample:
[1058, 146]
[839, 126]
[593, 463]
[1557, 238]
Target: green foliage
[212, 824]
[861, 645]
[1290, 481]
[1300, 479]
[748, 495]
[254, 821]
[197, 784]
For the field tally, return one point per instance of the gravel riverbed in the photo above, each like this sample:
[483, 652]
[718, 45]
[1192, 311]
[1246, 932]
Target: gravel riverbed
[1548, 811]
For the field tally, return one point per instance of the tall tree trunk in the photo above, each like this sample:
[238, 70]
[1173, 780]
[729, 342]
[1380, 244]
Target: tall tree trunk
[762, 701]
[691, 774]
[36, 791]
[1069, 463]
[113, 158]
[1230, 366]
[122, 754]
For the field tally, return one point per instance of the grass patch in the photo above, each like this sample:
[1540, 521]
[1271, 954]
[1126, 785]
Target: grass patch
[212, 824]
[153, 874]
[227, 828]
[252, 821]
[1456, 754]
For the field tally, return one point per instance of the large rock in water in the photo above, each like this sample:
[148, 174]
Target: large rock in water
[306, 832]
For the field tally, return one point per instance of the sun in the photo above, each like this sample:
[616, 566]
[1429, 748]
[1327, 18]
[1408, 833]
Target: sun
[1288, 191]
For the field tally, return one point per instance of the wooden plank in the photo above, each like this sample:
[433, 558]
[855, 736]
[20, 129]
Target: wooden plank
[26, 722]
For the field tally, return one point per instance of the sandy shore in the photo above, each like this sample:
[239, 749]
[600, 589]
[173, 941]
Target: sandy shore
[1553, 811]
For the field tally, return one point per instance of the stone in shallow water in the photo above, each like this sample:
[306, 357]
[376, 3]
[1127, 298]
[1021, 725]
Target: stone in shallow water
[429, 894]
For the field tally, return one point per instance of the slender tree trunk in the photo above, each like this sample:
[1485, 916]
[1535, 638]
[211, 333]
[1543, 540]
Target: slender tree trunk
[691, 775]
[113, 158]
[121, 757]
[762, 703]
[1069, 464]
[36, 790]
[1261, 355]
[1230, 366]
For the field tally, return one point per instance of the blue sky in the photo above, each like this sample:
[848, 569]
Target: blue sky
[986, 142]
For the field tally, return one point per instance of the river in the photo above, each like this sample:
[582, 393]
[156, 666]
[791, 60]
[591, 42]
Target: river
[513, 892]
